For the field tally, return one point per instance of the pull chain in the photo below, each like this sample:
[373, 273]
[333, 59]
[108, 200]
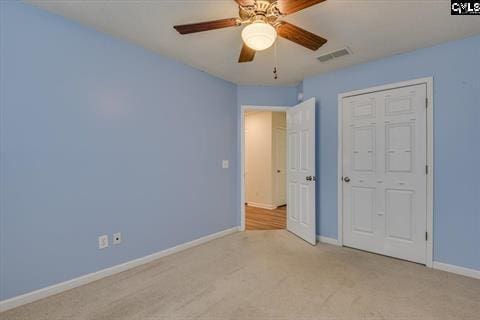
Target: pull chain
[275, 76]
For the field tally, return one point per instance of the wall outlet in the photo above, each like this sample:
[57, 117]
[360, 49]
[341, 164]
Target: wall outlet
[117, 238]
[225, 164]
[103, 242]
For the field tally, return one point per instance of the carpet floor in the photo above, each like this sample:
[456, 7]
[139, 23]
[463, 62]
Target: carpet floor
[266, 275]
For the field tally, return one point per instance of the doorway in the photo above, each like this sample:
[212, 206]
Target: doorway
[265, 167]
[300, 168]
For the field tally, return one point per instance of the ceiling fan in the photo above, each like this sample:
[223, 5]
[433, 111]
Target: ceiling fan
[263, 25]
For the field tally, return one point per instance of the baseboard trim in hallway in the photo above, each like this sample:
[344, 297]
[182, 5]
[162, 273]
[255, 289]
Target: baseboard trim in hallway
[262, 205]
[80, 281]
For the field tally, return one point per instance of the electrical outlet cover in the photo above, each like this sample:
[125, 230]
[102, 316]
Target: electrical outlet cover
[117, 238]
[103, 242]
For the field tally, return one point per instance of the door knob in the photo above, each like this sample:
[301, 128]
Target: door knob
[278, 171]
[309, 178]
[346, 179]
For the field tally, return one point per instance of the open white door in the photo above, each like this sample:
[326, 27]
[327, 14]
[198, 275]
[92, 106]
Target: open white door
[301, 170]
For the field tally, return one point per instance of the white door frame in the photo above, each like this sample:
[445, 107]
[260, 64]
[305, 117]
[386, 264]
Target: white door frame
[277, 188]
[243, 109]
[429, 83]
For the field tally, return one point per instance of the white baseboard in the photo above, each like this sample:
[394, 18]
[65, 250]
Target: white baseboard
[80, 281]
[472, 273]
[262, 205]
[328, 240]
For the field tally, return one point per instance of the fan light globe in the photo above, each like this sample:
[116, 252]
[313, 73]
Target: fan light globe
[259, 35]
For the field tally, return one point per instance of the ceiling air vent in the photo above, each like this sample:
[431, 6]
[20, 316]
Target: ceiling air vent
[335, 54]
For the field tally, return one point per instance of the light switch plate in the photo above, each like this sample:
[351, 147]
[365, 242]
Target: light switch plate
[225, 164]
[103, 242]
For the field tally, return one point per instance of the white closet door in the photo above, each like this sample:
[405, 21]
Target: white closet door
[384, 172]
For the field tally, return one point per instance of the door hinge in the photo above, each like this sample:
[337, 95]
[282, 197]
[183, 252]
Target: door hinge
[426, 169]
[426, 236]
[426, 102]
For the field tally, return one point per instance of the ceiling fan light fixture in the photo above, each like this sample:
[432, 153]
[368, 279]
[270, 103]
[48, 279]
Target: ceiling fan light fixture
[259, 35]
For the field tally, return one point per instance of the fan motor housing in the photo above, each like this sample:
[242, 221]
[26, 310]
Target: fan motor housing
[263, 10]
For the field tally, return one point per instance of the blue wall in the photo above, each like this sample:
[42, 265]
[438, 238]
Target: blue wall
[100, 136]
[267, 96]
[456, 70]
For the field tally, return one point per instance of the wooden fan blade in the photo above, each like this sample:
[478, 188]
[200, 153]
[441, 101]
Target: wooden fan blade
[291, 6]
[205, 26]
[245, 3]
[247, 54]
[300, 36]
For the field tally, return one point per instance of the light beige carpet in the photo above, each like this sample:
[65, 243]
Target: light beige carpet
[267, 275]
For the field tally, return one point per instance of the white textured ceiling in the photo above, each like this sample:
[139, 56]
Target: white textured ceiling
[372, 29]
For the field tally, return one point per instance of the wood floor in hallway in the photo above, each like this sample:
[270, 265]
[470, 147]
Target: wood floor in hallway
[264, 219]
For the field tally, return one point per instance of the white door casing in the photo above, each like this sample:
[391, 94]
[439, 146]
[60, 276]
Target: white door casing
[246, 136]
[301, 170]
[384, 158]
[280, 166]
